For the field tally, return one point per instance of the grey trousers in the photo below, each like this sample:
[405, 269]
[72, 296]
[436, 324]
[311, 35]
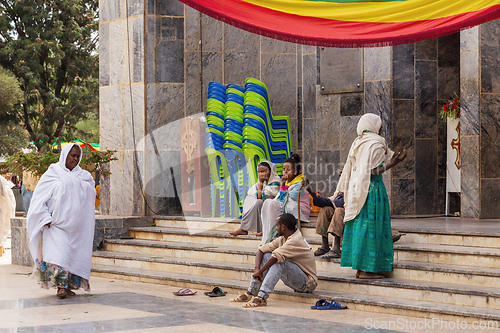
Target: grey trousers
[250, 220]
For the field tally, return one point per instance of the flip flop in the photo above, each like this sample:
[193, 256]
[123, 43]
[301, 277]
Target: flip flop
[332, 306]
[216, 292]
[320, 251]
[330, 255]
[321, 302]
[184, 292]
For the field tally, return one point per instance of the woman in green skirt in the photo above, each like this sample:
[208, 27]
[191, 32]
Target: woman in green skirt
[367, 243]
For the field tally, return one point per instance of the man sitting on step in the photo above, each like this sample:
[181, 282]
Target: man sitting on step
[289, 258]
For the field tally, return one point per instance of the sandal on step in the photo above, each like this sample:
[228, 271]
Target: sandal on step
[332, 306]
[216, 292]
[321, 302]
[320, 251]
[242, 298]
[184, 292]
[61, 293]
[332, 254]
[251, 303]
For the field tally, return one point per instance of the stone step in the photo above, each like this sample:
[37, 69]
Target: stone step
[429, 253]
[405, 289]
[381, 304]
[408, 270]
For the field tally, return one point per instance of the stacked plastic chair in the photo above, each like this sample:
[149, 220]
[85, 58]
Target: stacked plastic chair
[241, 132]
[233, 151]
[214, 141]
[264, 136]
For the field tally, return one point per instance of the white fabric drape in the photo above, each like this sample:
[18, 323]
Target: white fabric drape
[65, 199]
[7, 208]
[367, 152]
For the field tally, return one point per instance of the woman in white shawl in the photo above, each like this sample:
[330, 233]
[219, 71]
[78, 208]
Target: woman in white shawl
[291, 198]
[266, 187]
[367, 242]
[60, 224]
[7, 210]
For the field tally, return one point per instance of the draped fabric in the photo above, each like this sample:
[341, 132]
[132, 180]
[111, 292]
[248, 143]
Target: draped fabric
[350, 23]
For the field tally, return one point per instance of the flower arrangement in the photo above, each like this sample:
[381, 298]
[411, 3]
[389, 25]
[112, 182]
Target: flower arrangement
[451, 109]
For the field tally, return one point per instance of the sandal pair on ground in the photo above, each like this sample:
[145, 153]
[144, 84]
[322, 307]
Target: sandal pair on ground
[326, 254]
[250, 300]
[323, 304]
[216, 292]
[63, 292]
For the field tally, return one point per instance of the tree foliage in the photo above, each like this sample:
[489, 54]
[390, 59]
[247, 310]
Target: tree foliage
[12, 137]
[50, 47]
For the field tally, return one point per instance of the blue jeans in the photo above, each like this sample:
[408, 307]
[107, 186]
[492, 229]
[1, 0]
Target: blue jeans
[288, 272]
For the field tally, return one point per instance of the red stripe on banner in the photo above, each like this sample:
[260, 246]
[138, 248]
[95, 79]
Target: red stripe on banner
[324, 32]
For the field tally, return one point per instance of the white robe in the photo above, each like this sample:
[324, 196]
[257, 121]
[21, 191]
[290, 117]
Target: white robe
[65, 199]
[7, 208]
[367, 152]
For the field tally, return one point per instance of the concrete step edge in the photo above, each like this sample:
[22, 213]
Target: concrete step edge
[431, 267]
[337, 277]
[418, 306]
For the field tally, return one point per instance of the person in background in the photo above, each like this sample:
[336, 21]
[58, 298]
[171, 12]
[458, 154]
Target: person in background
[7, 210]
[266, 188]
[288, 258]
[60, 224]
[367, 244]
[292, 198]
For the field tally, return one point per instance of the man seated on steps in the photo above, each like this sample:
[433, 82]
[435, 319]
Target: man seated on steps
[330, 220]
[289, 258]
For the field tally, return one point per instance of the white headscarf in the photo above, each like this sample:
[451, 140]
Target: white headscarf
[7, 208]
[274, 181]
[367, 152]
[65, 199]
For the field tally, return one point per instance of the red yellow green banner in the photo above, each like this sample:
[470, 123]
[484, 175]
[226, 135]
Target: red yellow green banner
[350, 23]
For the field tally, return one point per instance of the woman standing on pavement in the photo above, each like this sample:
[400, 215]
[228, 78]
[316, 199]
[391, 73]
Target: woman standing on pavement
[367, 243]
[60, 224]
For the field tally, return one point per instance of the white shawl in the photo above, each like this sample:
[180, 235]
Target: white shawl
[65, 199]
[7, 208]
[367, 152]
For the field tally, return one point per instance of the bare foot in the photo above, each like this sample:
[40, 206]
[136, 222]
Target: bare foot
[369, 275]
[259, 234]
[239, 232]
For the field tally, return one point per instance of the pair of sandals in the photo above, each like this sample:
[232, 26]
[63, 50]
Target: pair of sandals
[323, 304]
[250, 300]
[63, 292]
[216, 292]
[327, 254]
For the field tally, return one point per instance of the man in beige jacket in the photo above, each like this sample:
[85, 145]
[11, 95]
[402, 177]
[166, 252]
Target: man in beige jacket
[289, 258]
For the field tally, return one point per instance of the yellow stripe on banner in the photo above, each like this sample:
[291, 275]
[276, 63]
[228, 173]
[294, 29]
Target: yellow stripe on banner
[383, 12]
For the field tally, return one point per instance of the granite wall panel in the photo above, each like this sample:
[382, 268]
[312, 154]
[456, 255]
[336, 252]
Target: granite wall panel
[279, 73]
[327, 164]
[138, 49]
[490, 136]
[110, 116]
[490, 198]
[192, 37]
[403, 71]
[104, 54]
[449, 66]
[377, 63]
[426, 176]
[352, 104]
[309, 149]
[211, 34]
[309, 89]
[403, 137]
[270, 45]
[426, 50]
[490, 57]
[211, 70]
[170, 61]
[348, 126]
[425, 99]
[169, 7]
[193, 84]
[442, 148]
[328, 130]
[403, 197]
[470, 177]
[469, 92]
[165, 104]
[378, 101]
[241, 55]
